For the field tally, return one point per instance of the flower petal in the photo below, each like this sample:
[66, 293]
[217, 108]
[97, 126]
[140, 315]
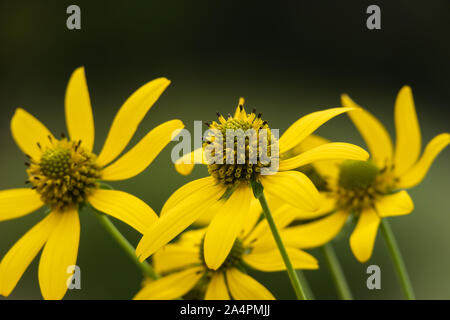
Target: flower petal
[294, 188]
[225, 226]
[316, 233]
[60, 252]
[329, 151]
[409, 142]
[306, 125]
[27, 132]
[79, 118]
[16, 203]
[396, 204]
[129, 117]
[363, 237]
[19, 257]
[178, 218]
[417, 172]
[186, 163]
[373, 132]
[175, 257]
[272, 261]
[172, 286]
[217, 288]
[244, 287]
[141, 155]
[125, 207]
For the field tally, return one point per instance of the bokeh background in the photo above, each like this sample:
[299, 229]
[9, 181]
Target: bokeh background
[286, 58]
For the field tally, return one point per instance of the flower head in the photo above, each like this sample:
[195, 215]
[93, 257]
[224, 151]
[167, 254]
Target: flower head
[65, 173]
[186, 274]
[371, 190]
[227, 193]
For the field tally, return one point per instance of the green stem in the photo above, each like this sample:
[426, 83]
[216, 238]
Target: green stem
[306, 287]
[397, 260]
[336, 272]
[290, 269]
[145, 267]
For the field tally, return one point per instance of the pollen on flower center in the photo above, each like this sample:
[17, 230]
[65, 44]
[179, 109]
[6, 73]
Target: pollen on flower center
[240, 161]
[233, 259]
[64, 175]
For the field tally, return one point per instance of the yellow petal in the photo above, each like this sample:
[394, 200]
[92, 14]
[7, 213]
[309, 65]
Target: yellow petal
[175, 257]
[125, 207]
[315, 234]
[141, 155]
[225, 226]
[217, 288]
[272, 261]
[178, 219]
[417, 173]
[373, 132]
[251, 218]
[306, 125]
[186, 163]
[292, 187]
[396, 204]
[129, 117]
[19, 257]
[329, 151]
[244, 287]
[27, 132]
[60, 252]
[409, 142]
[172, 286]
[16, 203]
[363, 237]
[79, 118]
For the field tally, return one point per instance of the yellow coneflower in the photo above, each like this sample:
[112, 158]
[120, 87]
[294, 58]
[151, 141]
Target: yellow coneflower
[65, 173]
[371, 190]
[228, 188]
[185, 273]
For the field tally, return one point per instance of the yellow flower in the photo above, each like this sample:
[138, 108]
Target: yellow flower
[64, 174]
[187, 275]
[371, 190]
[228, 187]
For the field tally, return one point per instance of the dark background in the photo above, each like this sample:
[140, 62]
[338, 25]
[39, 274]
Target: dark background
[286, 59]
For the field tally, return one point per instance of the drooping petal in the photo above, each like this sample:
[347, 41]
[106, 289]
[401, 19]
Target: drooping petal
[28, 132]
[244, 287]
[306, 125]
[19, 257]
[142, 154]
[396, 204]
[60, 252]
[172, 286]
[125, 207]
[316, 233]
[217, 288]
[186, 163]
[373, 132]
[417, 173]
[16, 203]
[251, 219]
[79, 118]
[329, 151]
[408, 138]
[292, 187]
[272, 261]
[178, 218]
[129, 117]
[175, 257]
[225, 226]
[363, 237]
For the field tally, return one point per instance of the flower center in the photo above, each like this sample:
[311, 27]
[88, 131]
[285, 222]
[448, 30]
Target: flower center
[233, 259]
[360, 184]
[65, 174]
[242, 140]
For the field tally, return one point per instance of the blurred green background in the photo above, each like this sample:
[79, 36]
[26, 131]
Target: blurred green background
[286, 59]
